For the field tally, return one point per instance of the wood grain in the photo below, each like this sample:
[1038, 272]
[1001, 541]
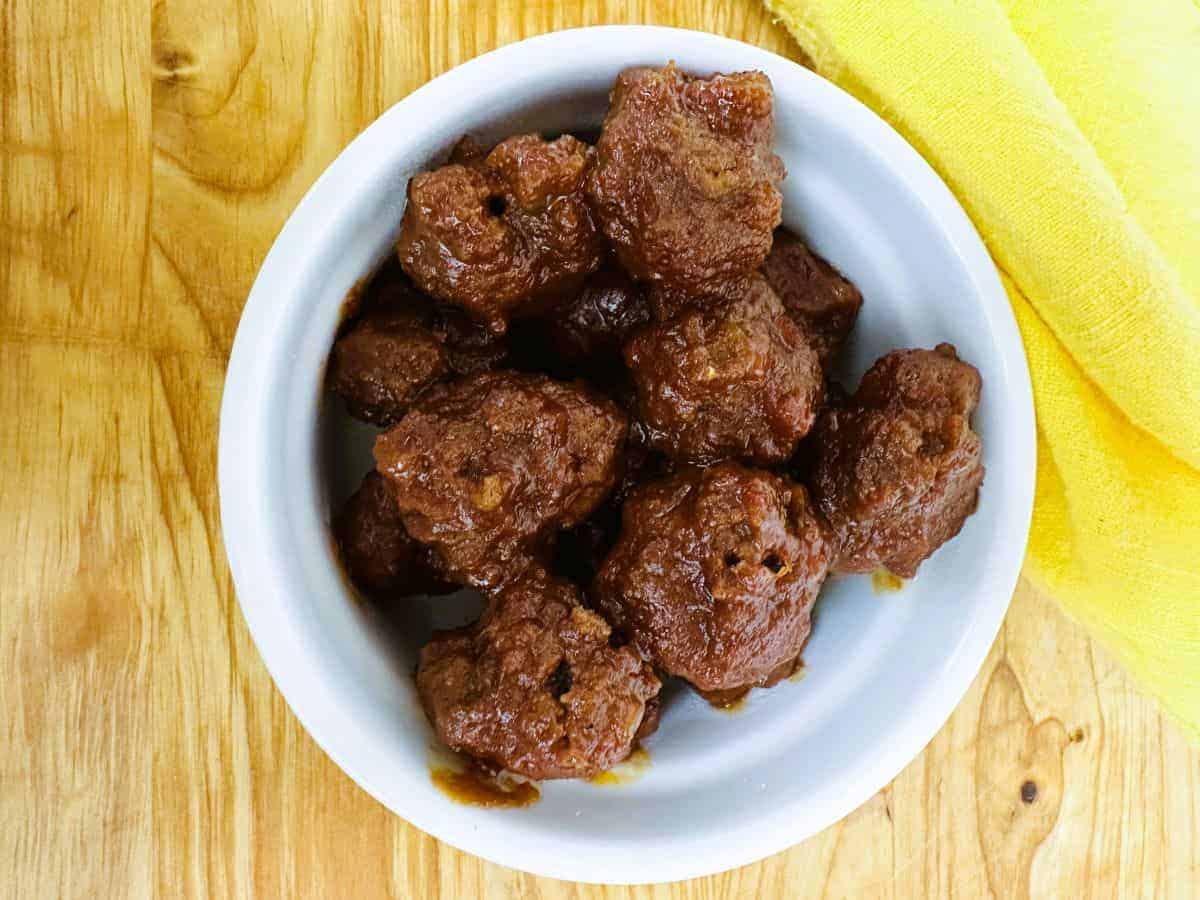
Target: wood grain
[149, 152]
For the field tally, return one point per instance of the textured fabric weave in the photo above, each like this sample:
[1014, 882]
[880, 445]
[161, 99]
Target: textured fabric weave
[1070, 133]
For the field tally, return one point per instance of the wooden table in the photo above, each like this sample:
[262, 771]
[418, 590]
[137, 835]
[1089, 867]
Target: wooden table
[149, 153]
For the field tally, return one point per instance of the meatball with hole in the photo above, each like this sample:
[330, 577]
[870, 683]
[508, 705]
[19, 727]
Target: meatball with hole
[535, 686]
[380, 557]
[504, 233]
[898, 467]
[485, 469]
[737, 381]
[686, 185]
[715, 573]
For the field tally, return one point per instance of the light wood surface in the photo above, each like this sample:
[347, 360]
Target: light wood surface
[149, 152]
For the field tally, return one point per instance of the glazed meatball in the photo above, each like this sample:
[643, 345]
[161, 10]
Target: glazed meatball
[730, 696]
[398, 343]
[934, 380]
[898, 467]
[686, 184]
[470, 347]
[588, 331]
[736, 381]
[715, 573]
[579, 551]
[380, 557]
[383, 363]
[507, 231]
[487, 467]
[534, 687]
[666, 301]
[815, 294]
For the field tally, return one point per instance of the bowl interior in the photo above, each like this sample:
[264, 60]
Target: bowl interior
[882, 670]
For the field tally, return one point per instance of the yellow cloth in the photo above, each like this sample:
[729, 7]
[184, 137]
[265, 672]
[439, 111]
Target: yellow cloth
[1070, 132]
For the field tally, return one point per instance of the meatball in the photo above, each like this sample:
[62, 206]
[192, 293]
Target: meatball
[686, 184]
[738, 380]
[589, 330]
[666, 301]
[815, 294]
[470, 347]
[535, 687]
[898, 468]
[487, 467]
[935, 380]
[579, 551]
[383, 363]
[715, 573]
[380, 557]
[729, 697]
[401, 343]
[507, 231]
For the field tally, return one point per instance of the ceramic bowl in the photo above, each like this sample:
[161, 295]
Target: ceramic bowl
[883, 670]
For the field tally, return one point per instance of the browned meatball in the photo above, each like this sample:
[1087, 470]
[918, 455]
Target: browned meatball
[666, 301]
[731, 696]
[486, 467]
[384, 362]
[935, 380]
[898, 468]
[379, 556]
[589, 330]
[738, 380]
[715, 573]
[470, 347]
[820, 299]
[534, 687]
[398, 343]
[507, 231]
[685, 184]
[579, 551]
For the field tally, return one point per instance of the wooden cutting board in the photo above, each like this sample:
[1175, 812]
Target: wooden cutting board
[149, 152]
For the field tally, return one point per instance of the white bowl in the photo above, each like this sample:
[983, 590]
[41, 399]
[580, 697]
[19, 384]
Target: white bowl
[883, 672]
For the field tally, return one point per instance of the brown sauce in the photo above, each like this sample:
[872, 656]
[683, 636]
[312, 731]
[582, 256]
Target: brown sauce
[627, 771]
[884, 582]
[475, 787]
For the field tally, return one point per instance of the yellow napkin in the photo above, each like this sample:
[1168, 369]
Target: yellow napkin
[1070, 132]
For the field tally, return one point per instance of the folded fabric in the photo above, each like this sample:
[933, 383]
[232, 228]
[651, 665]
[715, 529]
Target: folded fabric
[1070, 133]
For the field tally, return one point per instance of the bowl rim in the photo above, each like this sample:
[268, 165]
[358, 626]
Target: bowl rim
[242, 447]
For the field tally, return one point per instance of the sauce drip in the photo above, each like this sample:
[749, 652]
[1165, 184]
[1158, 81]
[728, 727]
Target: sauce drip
[885, 582]
[734, 705]
[627, 771]
[475, 787]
